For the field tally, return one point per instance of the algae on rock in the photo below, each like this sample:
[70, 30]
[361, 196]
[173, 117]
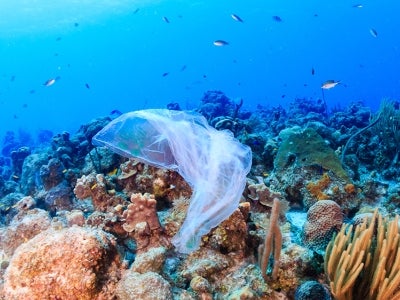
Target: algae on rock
[307, 148]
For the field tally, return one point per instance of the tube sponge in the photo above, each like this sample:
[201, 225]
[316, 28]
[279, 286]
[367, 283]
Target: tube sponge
[213, 162]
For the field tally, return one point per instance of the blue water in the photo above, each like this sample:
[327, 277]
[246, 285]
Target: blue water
[112, 54]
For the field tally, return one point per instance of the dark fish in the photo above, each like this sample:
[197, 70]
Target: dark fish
[58, 39]
[237, 18]
[204, 76]
[373, 32]
[115, 112]
[183, 68]
[277, 18]
[165, 19]
[25, 105]
[312, 71]
[32, 91]
[87, 86]
[357, 5]
[136, 11]
[12, 78]
[220, 43]
[76, 24]
[165, 74]
[283, 96]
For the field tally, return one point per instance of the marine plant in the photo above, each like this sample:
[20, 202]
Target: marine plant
[363, 261]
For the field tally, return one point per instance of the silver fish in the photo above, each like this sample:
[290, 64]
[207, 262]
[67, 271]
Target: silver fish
[220, 43]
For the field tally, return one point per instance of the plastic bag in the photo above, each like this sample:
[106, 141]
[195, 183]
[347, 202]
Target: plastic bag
[213, 162]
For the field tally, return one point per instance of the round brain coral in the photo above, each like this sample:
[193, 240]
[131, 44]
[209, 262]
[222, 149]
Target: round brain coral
[324, 218]
[312, 290]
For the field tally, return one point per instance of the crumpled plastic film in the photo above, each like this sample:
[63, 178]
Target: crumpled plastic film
[213, 162]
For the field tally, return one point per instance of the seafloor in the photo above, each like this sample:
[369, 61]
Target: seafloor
[82, 222]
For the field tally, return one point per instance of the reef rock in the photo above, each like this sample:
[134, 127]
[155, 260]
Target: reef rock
[73, 263]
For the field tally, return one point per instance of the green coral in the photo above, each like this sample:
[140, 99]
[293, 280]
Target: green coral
[308, 148]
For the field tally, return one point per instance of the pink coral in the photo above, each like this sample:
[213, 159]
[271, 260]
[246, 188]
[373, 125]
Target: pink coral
[141, 220]
[323, 219]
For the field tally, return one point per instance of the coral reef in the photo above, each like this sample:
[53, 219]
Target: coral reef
[83, 221]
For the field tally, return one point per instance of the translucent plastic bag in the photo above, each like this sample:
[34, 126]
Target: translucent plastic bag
[213, 162]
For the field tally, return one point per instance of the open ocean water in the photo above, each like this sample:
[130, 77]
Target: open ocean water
[130, 55]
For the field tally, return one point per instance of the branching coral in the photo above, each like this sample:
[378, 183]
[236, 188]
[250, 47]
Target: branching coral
[364, 263]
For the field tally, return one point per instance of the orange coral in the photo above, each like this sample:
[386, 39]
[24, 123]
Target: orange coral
[350, 188]
[316, 188]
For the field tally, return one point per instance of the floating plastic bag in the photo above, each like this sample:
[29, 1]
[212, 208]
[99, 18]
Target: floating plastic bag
[213, 162]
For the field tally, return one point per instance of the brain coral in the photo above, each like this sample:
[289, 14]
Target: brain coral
[323, 219]
[73, 263]
[312, 290]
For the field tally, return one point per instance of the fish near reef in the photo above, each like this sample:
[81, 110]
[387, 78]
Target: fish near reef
[220, 43]
[329, 84]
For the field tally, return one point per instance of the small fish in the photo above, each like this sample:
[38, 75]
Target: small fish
[51, 81]
[32, 91]
[329, 84]
[357, 5]
[12, 78]
[165, 74]
[183, 68]
[58, 39]
[87, 86]
[312, 71]
[113, 172]
[165, 19]
[115, 112]
[136, 11]
[76, 24]
[277, 18]
[220, 43]
[237, 18]
[373, 32]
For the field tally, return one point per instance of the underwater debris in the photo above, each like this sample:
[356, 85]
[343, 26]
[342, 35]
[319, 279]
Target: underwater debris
[184, 142]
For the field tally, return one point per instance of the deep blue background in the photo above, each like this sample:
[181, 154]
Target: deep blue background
[121, 49]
